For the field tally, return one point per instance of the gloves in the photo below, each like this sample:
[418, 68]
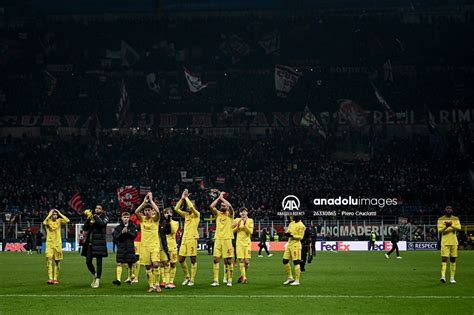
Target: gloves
[89, 215]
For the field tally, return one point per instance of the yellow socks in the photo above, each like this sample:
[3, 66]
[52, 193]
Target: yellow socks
[243, 270]
[130, 272]
[166, 273]
[452, 268]
[119, 272]
[443, 270]
[172, 273]
[150, 277]
[226, 270]
[162, 275]
[185, 269]
[56, 271]
[194, 268]
[215, 270]
[297, 272]
[156, 275]
[49, 263]
[288, 270]
[230, 272]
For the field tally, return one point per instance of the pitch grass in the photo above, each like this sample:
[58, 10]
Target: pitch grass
[344, 282]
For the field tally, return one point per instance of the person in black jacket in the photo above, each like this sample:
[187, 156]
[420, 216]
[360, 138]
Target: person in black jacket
[124, 235]
[305, 249]
[95, 244]
[394, 240]
[28, 237]
[263, 243]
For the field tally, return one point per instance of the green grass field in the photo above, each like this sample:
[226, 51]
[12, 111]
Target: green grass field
[344, 282]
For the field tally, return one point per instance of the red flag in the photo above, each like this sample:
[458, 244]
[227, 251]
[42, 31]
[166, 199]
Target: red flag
[127, 195]
[76, 203]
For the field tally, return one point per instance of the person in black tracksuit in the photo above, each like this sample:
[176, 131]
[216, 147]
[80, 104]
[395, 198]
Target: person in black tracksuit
[394, 239]
[373, 239]
[263, 243]
[39, 242]
[305, 249]
[29, 240]
[124, 235]
[210, 241]
[95, 244]
[312, 242]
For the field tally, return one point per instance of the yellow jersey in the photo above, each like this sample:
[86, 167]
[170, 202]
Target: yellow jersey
[171, 238]
[53, 232]
[244, 231]
[149, 229]
[191, 220]
[448, 234]
[297, 231]
[224, 229]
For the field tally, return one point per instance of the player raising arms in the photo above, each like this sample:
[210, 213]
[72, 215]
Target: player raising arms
[190, 237]
[295, 234]
[243, 226]
[150, 243]
[448, 225]
[54, 243]
[224, 235]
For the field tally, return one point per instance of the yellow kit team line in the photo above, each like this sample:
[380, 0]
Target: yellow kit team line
[158, 251]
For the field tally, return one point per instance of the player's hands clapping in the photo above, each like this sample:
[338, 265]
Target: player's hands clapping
[448, 223]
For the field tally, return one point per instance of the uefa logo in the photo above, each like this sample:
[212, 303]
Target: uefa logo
[291, 203]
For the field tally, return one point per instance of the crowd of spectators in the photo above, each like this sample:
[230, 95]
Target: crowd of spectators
[429, 65]
[41, 173]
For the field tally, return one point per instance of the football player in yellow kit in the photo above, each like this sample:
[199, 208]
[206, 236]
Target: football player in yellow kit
[223, 241]
[295, 234]
[54, 243]
[243, 226]
[150, 243]
[448, 225]
[189, 241]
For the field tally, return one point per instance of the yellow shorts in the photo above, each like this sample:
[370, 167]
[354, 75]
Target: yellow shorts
[149, 255]
[223, 248]
[54, 252]
[188, 248]
[137, 247]
[244, 251]
[292, 252]
[449, 250]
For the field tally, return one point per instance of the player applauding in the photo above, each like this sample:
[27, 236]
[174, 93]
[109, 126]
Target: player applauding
[243, 226]
[448, 225]
[150, 243]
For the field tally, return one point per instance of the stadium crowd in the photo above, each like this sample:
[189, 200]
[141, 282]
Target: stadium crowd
[258, 171]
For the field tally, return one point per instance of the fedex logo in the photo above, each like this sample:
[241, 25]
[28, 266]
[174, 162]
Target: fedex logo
[15, 247]
[384, 246]
[337, 246]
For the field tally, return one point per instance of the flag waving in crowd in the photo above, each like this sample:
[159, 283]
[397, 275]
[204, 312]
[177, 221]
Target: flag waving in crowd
[194, 81]
[76, 202]
[127, 196]
[285, 79]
